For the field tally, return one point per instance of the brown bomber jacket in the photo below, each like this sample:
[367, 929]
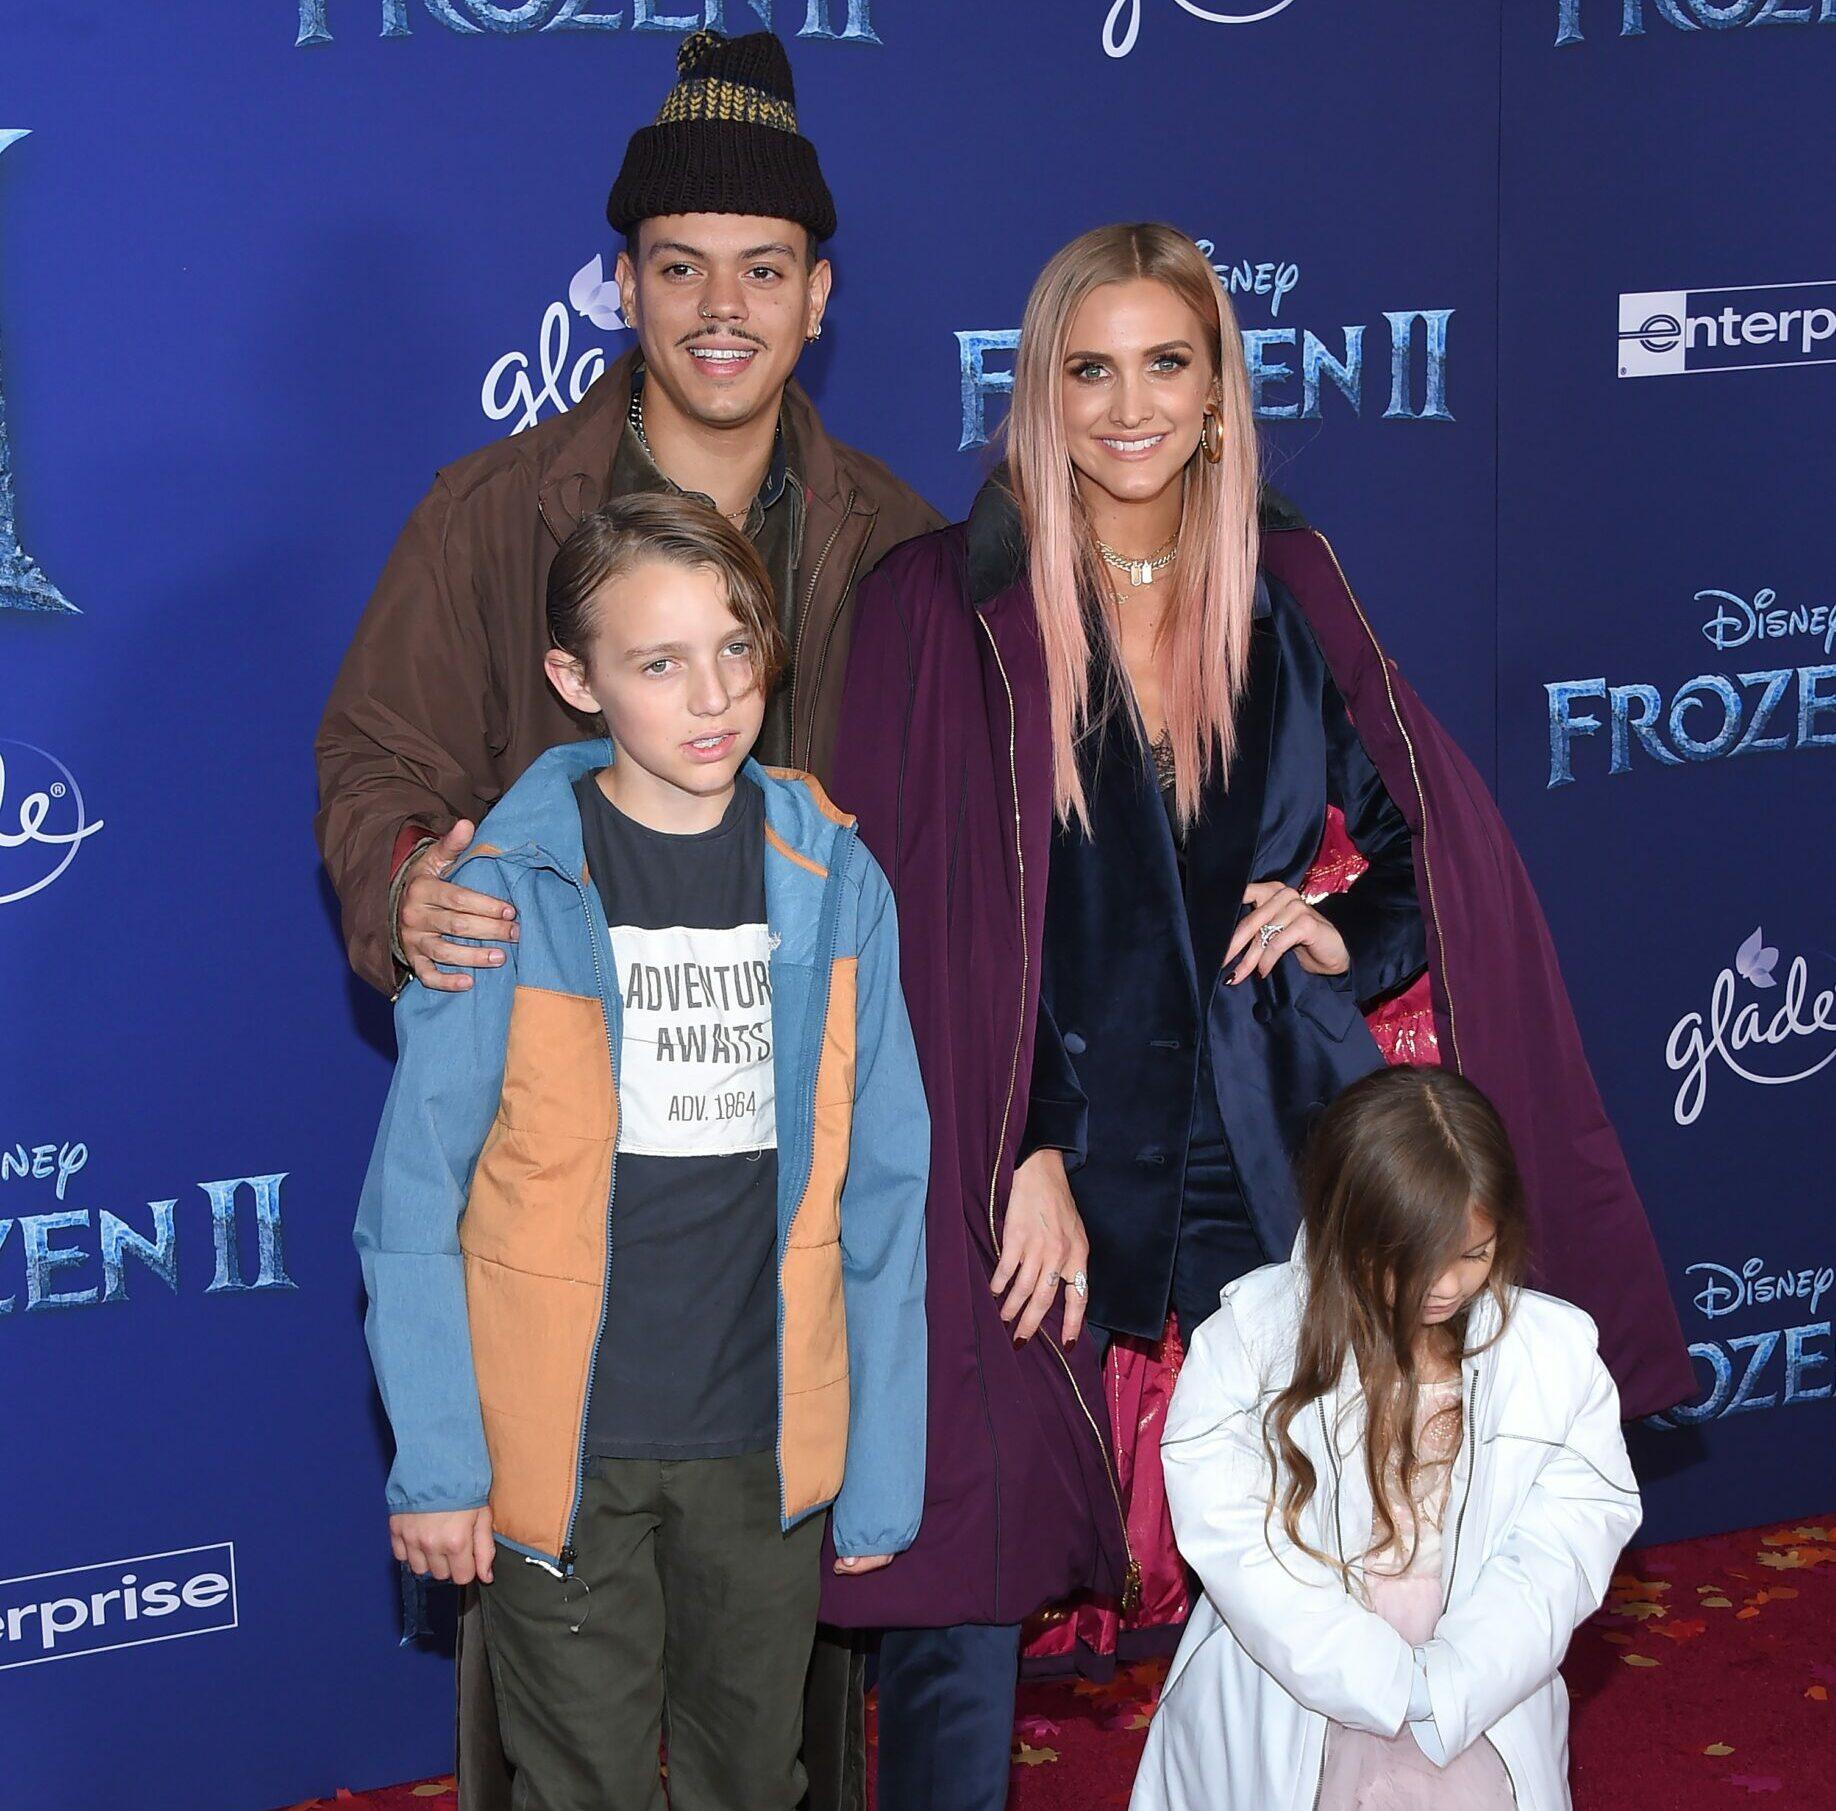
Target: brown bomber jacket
[441, 702]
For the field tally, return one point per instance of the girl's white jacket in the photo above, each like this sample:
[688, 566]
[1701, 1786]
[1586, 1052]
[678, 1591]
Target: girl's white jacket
[1541, 1502]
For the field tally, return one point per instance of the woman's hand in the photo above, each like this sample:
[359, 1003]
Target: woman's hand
[452, 1543]
[1316, 944]
[1042, 1245]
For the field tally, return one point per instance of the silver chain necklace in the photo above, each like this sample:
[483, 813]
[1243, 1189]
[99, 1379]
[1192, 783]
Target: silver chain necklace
[634, 417]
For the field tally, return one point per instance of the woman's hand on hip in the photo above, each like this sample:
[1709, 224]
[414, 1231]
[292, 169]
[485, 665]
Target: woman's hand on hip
[1292, 924]
[1043, 1248]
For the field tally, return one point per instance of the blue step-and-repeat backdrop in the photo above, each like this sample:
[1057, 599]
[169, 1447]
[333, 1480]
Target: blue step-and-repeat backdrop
[1540, 303]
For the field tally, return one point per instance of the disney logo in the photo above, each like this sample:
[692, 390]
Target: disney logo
[1244, 278]
[1727, 1031]
[1737, 622]
[509, 386]
[1728, 1290]
[52, 848]
[1123, 26]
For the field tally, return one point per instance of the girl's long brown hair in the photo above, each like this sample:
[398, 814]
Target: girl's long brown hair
[1391, 1169]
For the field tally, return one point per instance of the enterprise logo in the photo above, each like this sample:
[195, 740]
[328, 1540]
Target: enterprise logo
[125, 1603]
[1756, 327]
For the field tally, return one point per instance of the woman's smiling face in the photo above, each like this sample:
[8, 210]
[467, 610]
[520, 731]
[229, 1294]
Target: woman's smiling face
[1133, 388]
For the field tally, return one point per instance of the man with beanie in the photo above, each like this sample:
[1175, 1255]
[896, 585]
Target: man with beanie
[442, 702]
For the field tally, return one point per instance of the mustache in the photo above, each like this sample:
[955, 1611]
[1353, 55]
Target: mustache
[722, 333]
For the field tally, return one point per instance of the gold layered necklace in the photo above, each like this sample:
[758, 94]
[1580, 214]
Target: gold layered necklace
[1141, 572]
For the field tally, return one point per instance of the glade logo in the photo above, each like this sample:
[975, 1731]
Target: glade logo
[48, 821]
[1742, 1375]
[511, 392]
[1678, 332]
[1731, 1028]
[22, 585]
[1333, 358]
[1767, 711]
[473, 16]
[120, 1604]
[1123, 26]
[1694, 15]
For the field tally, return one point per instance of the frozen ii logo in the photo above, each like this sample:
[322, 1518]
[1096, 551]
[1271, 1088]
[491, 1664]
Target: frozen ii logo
[844, 21]
[1634, 17]
[1771, 1367]
[1292, 367]
[23, 586]
[56, 1253]
[1763, 710]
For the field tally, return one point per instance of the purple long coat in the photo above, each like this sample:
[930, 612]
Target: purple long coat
[947, 753]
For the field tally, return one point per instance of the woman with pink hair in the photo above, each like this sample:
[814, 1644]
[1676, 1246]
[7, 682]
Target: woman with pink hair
[1096, 736]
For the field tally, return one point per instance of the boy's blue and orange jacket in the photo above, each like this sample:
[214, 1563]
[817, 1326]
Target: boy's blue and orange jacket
[489, 1219]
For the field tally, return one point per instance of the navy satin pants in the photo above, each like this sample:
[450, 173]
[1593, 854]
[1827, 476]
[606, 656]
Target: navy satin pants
[947, 1717]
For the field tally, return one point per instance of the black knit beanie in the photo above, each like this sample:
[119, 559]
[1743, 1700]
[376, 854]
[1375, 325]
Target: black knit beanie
[726, 142]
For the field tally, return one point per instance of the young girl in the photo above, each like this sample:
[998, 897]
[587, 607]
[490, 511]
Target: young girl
[1400, 1477]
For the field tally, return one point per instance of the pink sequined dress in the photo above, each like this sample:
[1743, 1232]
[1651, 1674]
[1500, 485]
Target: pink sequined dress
[1365, 1772]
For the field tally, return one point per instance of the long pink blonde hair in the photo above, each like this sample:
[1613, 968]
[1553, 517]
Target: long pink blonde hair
[1204, 636]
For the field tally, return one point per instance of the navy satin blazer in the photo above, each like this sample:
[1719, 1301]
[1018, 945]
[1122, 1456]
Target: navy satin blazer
[1124, 992]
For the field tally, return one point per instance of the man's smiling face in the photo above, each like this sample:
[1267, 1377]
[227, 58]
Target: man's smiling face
[722, 304]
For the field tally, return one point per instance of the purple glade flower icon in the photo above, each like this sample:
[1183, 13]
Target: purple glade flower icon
[1756, 960]
[594, 297]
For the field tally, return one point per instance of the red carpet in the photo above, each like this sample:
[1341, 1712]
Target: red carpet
[1704, 1683]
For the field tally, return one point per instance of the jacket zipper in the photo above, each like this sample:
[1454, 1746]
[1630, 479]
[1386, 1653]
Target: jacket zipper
[1131, 1585]
[1319, 1778]
[803, 618]
[567, 1555]
[1420, 794]
[1469, 1393]
[838, 873]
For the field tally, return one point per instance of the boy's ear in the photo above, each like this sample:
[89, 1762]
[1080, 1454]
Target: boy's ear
[568, 677]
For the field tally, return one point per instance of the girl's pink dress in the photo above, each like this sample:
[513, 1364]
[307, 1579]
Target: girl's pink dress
[1365, 1772]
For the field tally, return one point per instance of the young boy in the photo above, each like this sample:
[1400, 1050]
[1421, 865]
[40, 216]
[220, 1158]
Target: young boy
[643, 1229]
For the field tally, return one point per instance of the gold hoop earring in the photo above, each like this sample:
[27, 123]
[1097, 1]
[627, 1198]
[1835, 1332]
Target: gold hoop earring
[1211, 436]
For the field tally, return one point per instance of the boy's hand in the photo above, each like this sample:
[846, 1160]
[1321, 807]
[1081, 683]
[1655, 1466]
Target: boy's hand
[864, 1562]
[454, 1544]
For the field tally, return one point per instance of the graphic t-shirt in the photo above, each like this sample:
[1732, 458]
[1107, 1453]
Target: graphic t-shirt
[687, 1365]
